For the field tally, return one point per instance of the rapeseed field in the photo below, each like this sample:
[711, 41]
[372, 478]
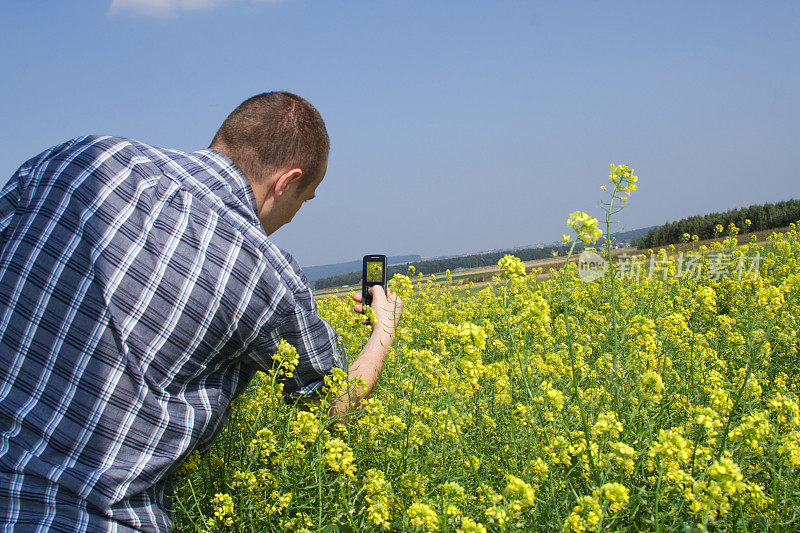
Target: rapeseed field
[658, 393]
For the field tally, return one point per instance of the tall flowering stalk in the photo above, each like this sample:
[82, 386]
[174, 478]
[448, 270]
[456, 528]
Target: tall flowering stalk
[623, 184]
[587, 231]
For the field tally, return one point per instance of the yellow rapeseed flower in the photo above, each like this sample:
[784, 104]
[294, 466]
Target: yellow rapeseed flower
[585, 227]
[512, 266]
[223, 510]
[423, 517]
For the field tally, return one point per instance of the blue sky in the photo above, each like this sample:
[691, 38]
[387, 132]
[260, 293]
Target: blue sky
[456, 126]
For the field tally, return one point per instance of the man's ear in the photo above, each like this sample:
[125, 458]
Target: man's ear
[286, 180]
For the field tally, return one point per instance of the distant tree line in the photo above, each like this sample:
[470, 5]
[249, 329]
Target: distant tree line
[432, 266]
[762, 217]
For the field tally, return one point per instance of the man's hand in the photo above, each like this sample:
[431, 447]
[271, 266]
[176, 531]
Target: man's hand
[387, 306]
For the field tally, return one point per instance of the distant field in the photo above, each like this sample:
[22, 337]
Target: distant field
[480, 276]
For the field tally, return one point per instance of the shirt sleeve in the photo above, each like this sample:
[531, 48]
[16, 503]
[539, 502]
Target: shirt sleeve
[11, 193]
[318, 346]
[9, 199]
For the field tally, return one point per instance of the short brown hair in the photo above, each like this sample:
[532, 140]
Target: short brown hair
[272, 131]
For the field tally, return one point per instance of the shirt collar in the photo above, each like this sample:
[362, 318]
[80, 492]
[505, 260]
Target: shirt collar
[229, 172]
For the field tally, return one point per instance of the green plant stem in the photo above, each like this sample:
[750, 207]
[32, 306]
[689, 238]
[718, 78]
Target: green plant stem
[522, 365]
[612, 298]
[574, 366]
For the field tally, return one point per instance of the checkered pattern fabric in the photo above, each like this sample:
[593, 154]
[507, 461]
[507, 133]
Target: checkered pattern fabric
[138, 296]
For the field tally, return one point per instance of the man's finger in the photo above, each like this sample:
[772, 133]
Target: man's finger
[358, 308]
[357, 296]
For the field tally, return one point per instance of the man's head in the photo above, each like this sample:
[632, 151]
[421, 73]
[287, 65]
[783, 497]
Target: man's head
[280, 143]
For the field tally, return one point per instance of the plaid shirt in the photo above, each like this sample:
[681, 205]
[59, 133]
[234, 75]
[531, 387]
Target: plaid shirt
[139, 294]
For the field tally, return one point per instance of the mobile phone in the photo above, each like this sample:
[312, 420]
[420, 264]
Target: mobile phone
[373, 272]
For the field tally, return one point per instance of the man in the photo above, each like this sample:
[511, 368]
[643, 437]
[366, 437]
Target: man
[139, 294]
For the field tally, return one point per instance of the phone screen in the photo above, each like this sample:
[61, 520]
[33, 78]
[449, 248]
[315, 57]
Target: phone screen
[374, 272]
